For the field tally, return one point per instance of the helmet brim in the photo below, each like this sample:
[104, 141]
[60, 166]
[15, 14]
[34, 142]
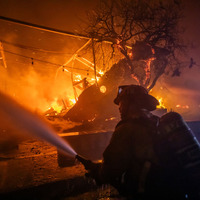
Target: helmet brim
[145, 101]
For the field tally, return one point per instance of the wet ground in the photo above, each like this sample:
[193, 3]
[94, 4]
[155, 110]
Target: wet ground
[31, 171]
[31, 168]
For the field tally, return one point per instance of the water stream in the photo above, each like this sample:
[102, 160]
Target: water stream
[28, 122]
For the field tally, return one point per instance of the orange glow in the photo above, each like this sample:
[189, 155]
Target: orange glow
[59, 107]
[68, 100]
[72, 101]
[118, 41]
[148, 69]
[77, 77]
[100, 72]
[110, 119]
[102, 89]
[161, 104]
[134, 77]
[182, 106]
[56, 107]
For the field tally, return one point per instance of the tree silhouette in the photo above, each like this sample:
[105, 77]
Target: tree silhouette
[147, 35]
[146, 32]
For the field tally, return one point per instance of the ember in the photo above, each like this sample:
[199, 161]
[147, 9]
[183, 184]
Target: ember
[161, 104]
[182, 106]
[103, 89]
[56, 106]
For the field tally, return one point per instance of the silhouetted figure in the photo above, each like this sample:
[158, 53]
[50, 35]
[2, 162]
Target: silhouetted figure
[148, 157]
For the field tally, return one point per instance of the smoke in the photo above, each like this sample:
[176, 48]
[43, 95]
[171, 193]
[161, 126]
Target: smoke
[34, 77]
[24, 120]
[37, 91]
[182, 93]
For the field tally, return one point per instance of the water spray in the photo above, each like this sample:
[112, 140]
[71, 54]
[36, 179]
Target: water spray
[27, 121]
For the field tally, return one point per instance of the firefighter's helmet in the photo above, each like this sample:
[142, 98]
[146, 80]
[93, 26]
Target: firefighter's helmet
[137, 95]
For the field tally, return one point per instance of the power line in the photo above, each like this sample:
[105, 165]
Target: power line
[28, 57]
[52, 30]
[43, 28]
[32, 48]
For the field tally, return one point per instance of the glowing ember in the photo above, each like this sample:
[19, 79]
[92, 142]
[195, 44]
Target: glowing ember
[72, 101]
[58, 108]
[135, 77]
[101, 72]
[77, 78]
[102, 89]
[110, 119]
[182, 106]
[98, 79]
[148, 69]
[161, 104]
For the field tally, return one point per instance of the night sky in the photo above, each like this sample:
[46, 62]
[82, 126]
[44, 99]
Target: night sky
[60, 14]
[69, 15]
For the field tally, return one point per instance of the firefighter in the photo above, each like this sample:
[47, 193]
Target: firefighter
[130, 163]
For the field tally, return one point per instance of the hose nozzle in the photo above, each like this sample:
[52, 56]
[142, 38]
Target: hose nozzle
[87, 163]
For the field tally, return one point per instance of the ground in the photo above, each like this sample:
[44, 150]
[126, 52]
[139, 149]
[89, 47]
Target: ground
[31, 170]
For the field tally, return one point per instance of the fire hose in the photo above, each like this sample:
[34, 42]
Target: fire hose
[92, 168]
[88, 164]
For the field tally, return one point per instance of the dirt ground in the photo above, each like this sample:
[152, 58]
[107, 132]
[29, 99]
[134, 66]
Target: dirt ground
[31, 171]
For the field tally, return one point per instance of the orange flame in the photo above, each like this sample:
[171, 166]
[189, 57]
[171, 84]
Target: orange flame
[56, 107]
[148, 69]
[161, 104]
[182, 106]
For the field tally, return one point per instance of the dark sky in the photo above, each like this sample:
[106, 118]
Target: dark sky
[69, 14]
[60, 14]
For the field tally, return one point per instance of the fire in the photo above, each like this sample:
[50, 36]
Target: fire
[77, 78]
[182, 106]
[161, 104]
[72, 101]
[101, 72]
[56, 107]
[103, 89]
[135, 77]
[148, 68]
[61, 105]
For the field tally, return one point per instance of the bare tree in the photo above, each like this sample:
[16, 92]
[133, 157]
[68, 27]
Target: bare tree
[146, 32]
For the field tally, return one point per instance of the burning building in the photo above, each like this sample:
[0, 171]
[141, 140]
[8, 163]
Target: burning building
[71, 79]
[83, 88]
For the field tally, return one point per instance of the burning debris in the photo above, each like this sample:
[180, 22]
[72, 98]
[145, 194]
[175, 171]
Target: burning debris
[146, 47]
[96, 101]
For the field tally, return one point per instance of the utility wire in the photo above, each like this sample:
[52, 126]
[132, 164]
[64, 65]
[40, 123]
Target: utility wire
[45, 61]
[52, 30]
[43, 28]
[32, 48]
